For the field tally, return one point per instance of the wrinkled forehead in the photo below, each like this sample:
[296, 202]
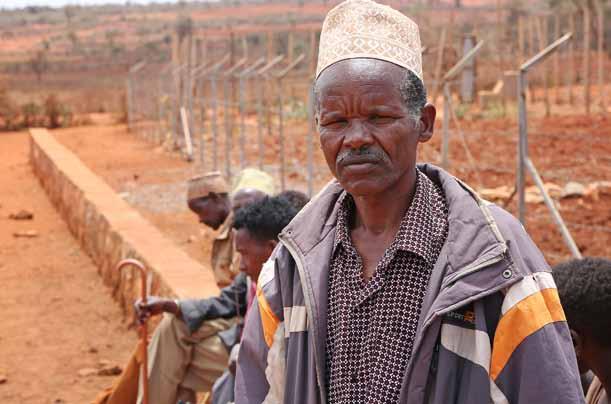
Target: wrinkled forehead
[366, 78]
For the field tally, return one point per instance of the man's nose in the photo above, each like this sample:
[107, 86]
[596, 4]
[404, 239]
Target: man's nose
[358, 135]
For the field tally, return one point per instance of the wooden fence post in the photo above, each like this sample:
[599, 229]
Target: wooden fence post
[600, 13]
[571, 72]
[586, 57]
[556, 61]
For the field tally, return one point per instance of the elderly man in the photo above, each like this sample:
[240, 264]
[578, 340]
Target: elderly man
[398, 283]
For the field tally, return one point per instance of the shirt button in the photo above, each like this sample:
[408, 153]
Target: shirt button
[507, 273]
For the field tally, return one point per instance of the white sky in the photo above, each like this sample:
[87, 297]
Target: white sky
[60, 3]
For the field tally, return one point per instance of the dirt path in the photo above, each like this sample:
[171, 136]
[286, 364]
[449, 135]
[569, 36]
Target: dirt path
[58, 318]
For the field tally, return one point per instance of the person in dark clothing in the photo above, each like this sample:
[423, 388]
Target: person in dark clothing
[584, 286]
[257, 227]
[297, 198]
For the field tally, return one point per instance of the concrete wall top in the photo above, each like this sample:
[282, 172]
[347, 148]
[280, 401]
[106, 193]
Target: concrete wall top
[178, 274]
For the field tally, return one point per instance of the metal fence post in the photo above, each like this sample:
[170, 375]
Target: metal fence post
[445, 141]
[242, 77]
[524, 163]
[262, 73]
[310, 140]
[522, 148]
[227, 76]
[457, 68]
[279, 76]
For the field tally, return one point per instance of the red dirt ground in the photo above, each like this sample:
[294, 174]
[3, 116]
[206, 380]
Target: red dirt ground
[58, 317]
[40, 371]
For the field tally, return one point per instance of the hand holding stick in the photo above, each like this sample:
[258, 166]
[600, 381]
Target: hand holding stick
[143, 325]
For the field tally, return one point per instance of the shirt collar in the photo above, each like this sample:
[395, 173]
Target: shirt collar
[417, 232]
[225, 230]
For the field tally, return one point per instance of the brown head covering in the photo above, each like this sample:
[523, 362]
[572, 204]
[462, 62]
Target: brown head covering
[203, 185]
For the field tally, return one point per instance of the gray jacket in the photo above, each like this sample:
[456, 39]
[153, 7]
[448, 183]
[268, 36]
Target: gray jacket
[491, 329]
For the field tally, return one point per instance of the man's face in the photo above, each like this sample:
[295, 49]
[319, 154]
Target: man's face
[367, 134]
[253, 252]
[211, 210]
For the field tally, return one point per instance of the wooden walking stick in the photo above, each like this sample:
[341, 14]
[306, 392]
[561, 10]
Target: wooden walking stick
[143, 330]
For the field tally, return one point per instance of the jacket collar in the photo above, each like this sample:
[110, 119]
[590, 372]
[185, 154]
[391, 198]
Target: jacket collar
[472, 234]
[421, 207]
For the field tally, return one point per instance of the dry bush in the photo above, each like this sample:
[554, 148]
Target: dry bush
[123, 105]
[31, 114]
[9, 112]
[57, 113]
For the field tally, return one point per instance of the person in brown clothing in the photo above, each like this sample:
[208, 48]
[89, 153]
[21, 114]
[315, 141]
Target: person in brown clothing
[584, 286]
[184, 358]
[208, 197]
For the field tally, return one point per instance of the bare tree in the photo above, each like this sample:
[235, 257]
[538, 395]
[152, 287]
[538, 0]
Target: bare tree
[39, 64]
[73, 40]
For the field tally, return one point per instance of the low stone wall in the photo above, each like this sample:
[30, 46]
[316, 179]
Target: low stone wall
[109, 229]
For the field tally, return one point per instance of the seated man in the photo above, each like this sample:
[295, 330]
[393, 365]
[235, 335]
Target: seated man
[258, 226]
[189, 355]
[584, 286]
[209, 199]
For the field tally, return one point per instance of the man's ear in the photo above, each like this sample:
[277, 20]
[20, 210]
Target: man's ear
[271, 244]
[577, 342]
[426, 124]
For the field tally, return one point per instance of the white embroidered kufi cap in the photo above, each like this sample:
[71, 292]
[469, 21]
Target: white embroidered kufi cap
[366, 29]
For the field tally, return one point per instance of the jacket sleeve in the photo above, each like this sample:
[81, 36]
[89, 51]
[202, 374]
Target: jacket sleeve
[262, 321]
[229, 303]
[532, 359]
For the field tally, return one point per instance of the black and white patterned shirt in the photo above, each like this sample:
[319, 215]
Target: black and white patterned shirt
[372, 325]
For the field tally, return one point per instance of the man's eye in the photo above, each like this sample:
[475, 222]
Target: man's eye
[336, 124]
[380, 120]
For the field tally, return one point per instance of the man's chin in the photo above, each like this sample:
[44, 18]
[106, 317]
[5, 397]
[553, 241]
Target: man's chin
[363, 186]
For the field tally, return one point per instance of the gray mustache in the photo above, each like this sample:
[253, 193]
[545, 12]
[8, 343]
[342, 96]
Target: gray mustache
[362, 155]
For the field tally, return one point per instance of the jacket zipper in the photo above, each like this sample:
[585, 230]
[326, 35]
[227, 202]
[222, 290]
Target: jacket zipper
[468, 270]
[309, 310]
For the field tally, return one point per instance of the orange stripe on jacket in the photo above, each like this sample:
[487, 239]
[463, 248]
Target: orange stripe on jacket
[524, 319]
[268, 318]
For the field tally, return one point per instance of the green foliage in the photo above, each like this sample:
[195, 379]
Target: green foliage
[494, 111]
[297, 109]
[461, 110]
[9, 112]
[31, 113]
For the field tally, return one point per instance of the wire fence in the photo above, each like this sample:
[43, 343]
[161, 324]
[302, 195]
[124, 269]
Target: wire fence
[225, 113]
